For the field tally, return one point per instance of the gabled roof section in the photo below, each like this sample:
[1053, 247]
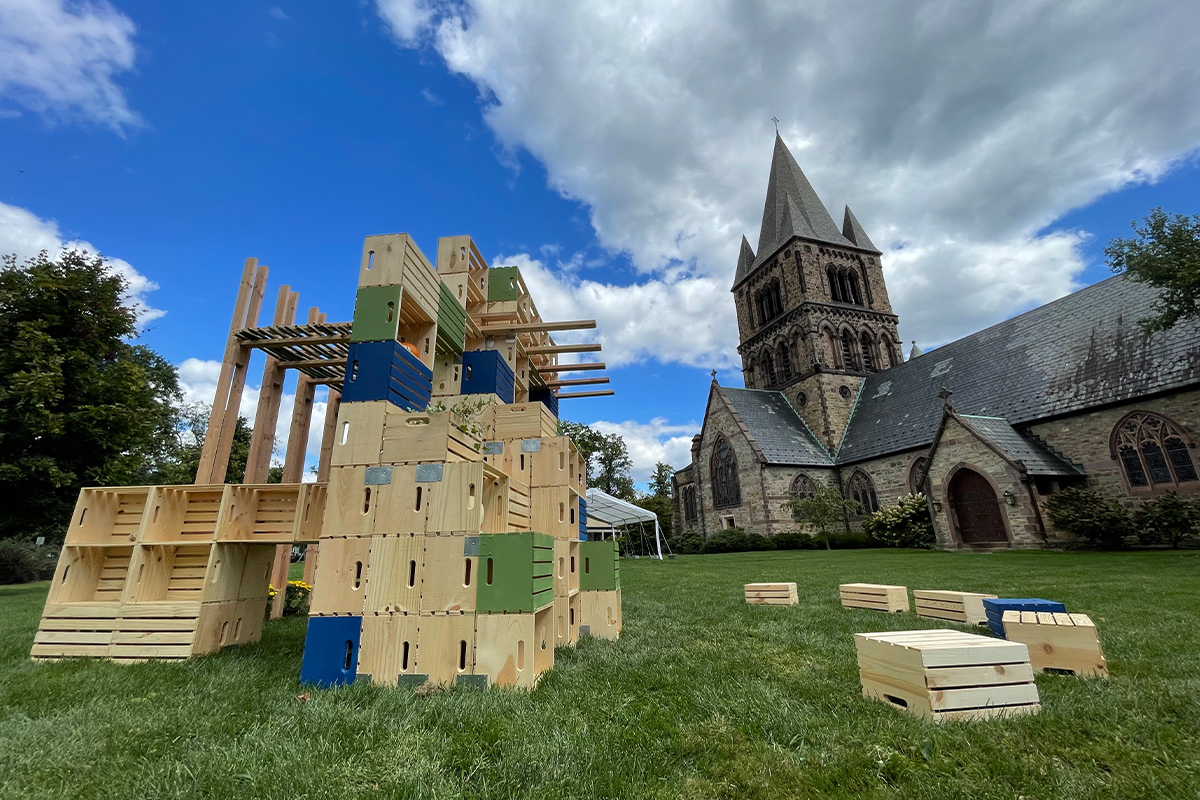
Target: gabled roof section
[855, 233]
[745, 261]
[1037, 459]
[776, 431]
[792, 208]
[1078, 352]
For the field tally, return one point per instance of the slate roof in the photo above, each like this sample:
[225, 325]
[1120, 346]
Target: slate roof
[776, 428]
[1038, 460]
[855, 233]
[1080, 351]
[745, 261]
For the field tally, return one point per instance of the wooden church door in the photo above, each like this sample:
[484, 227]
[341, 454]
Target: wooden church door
[976, 509]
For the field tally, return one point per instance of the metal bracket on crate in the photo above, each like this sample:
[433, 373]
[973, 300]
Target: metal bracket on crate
[411, 681]
[429, 473]
[377, 476]
[585, 630]
[531, 445]
[493, 448]
[473, 681]
[471, 546]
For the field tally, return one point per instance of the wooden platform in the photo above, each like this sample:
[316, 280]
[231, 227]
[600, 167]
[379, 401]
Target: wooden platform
[942, 675]
[875, 596]
[964, 607]
[1067, 642]
[771, 594]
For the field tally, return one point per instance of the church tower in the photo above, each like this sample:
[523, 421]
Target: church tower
[812, 308]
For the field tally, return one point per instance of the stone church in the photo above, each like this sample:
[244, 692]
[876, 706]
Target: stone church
[987, 427]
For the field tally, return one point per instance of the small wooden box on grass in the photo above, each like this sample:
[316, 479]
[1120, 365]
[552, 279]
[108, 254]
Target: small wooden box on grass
[1057, 641]
[942, 675]
[964, 607]
[771, 594]
[875, 596]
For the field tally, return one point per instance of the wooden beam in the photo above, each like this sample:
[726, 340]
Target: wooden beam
[576, 382]
[286, 342]
[332, 405]
[563, 348]
[572, 367]
[308, 363]
[539, 327]
[601, 393]
[270, 393]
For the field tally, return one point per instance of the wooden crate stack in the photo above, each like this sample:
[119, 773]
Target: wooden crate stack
[772, 594]
[964, 607]
[449, 551]
[170, 572]
[874, 596]
[942, 675]
[1066, 642]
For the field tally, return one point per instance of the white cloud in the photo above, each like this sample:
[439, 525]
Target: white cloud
[25, 234]
[650, 443]
[957, 131]
[278, 13]
[61, 59]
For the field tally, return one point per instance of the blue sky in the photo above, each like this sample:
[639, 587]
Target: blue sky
[616, 152]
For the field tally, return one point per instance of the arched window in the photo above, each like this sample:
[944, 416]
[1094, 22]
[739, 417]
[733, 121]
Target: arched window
[689, 504]
[868, 358]
[917, 481]
[862, 489]
[727, 490]
[848, 351]
[835, 286]
[785, 361]
[855, 292]
[776, 299]
[1153, 451]
[886, 356]
[768, 368]
[803, 488]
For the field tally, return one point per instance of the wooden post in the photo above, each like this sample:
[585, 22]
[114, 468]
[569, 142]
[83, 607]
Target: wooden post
[324, 465]
[222, 420]
[262, 440]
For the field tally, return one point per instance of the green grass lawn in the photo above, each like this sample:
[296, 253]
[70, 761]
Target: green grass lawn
[702, 697]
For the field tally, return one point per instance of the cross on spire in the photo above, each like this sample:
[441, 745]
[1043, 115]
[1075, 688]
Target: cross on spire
[776, 121]
[945, 394]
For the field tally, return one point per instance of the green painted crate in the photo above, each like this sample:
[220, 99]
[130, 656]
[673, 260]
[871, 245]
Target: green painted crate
[599, 566]
[503, 284]
[376, 314]
[451, 323]
[516, 572]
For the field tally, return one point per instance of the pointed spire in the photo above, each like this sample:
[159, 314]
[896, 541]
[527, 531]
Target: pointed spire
[855, 233]
[916, 351]
[745, 261]
[792, 207]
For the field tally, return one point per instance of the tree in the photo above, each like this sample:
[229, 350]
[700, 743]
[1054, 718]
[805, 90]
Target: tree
[189, 441]
[606, 456]
[80, 405]
[587, 440]
[1091, 516]
[824, 510]
[661, 480]
[1165, 254]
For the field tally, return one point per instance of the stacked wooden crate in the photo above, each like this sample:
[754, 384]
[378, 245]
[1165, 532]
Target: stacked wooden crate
[771, 594]
[942, 675]
[600, 585]
[170, 572]
[1066, 642]
[874, 596]
[964, 607]
[994, 608]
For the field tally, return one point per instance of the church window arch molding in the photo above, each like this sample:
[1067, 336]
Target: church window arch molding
[767, 364]
[861, 489]
[917, 480]
[868, 352]
[784, 358]
[849, 348]
[723, 469]
[803, 488]
[1155, 453]
[844, 285]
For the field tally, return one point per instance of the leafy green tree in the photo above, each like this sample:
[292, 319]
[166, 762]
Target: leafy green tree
[825, 510]
[189, 441]
[606, 456]
[80, 404]
[1165, 254]
[587, 440]
[659, 499]
[661, 480]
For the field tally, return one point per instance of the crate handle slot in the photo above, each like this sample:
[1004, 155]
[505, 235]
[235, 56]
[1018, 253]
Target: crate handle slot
[611, 621]
[349, 654]
[404, 658]
[572, 614]
[467, 573]
[354, 371]
[391, 311]
[520, 654]
[470, 497]
[412, 574]
[415, 421]
[366, 500]
[489, 571]
[66, 570]
[896, 701]
[417, 505]
[345, 432]
[82, 515]
[370, 259]
[462, 655]
[357, 574]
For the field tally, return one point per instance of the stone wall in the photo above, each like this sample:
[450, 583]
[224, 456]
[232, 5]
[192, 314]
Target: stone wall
[778, 482]
[718, 420]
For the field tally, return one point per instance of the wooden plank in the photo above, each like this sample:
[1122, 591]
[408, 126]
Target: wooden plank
[554, 349]
[262, 439]
[538, 327]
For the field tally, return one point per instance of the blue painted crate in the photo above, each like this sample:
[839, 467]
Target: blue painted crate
[386, 371]
[331, 651]
[486, 372]
[582, 519]
[547, 398]
[995, 607]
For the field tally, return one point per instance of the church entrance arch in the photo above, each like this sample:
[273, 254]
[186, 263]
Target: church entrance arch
[976, 509]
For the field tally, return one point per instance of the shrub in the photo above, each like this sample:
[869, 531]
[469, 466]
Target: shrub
[21, 562]
[735, 540]
[1090, 516]
[904, 524]
[295, 600]
[794, 540]
[686, 543]
[1167, 520]
[845, 541]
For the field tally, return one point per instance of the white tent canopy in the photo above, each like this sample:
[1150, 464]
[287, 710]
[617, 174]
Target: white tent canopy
[606, 513]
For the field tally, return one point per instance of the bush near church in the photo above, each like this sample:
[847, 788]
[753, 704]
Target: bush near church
[1090, 516]
[1168, 520]
[906, 523]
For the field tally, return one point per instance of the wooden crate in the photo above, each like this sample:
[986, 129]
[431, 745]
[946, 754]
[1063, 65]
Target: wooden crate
[183, 514]
[772, 594]
[158, 631]
[340, 587]
[450, 574]
[942, 675]
[263, 513]
[445, 647]
[90, 574]
[1066, 642]
[514, 649]
[566, 620]
[558, 463]
[875, 596]
[555, 510]
[600, 613]
[312, 515]
[388, 647]
[351, 504]
[395, 260]
[74, 630]
[168, 573]
[395, 567]
[520, 515]
[411, 438]
[447, 377]
[108, 516]
[964, 607]
[523, 421]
